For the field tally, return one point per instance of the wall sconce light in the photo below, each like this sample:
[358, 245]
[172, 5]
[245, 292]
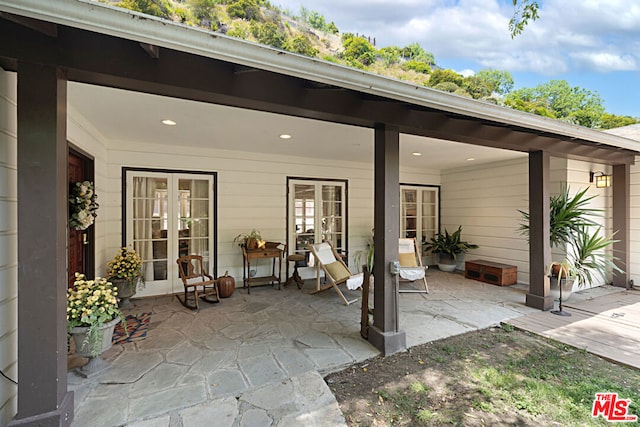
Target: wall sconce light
[602, 180]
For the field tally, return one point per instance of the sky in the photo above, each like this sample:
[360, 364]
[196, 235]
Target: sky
[592, 44]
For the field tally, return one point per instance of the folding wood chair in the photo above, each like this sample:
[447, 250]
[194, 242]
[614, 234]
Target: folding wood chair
[411, 268]
[335, 270]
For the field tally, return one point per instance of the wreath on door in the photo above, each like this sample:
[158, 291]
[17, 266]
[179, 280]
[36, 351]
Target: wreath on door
[82, 205]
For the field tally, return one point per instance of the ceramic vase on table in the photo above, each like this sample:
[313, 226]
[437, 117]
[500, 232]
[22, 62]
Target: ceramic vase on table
[83, 346]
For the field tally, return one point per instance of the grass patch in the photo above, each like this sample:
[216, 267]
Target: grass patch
[490, 377]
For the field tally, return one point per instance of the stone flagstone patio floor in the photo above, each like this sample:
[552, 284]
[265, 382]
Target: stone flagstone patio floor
[259, 359]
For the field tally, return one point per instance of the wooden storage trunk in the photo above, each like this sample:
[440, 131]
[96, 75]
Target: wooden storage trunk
[491, 272]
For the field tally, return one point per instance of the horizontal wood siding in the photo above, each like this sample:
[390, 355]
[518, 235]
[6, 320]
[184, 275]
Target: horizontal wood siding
[578, 180]
[8, 246]
[485, 200]
[251, 192]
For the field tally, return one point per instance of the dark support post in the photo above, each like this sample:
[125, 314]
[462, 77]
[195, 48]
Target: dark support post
[43, 399]
[621, 223]
[385, 334]
[539, 247]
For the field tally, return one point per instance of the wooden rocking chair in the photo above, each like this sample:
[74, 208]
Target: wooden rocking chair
[193, 276]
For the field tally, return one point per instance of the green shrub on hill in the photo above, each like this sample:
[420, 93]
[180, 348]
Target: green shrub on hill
[440, 76]
[244, 9]
[357, 50]
[417, 66]
[268, 33]
[301, 44]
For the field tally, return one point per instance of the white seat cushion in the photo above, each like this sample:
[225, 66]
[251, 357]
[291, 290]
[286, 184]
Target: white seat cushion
[355, 281]
[412, 273]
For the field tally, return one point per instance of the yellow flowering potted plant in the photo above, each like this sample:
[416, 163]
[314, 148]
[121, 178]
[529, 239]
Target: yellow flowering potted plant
[92, 314]
[125, 272]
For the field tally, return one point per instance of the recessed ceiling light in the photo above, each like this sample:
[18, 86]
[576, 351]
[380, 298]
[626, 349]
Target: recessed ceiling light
[285, 136]
[416, 153]
[470, 159]
[168, 122]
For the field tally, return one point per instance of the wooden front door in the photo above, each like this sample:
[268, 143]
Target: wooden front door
[79, 243]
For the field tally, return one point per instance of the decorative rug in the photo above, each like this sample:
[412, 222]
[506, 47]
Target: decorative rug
[137, 326]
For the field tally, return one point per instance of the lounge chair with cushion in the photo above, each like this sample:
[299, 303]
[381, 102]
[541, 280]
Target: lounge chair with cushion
[411, 268]
[335, 270]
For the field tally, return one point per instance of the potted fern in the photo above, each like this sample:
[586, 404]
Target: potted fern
[448, 247]
[251, 240]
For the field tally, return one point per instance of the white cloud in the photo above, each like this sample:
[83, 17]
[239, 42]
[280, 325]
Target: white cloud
[571, 35]
[605, 62]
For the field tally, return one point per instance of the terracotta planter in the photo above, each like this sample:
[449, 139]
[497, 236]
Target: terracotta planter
[226, 285]
[252, 244]
[83, 348]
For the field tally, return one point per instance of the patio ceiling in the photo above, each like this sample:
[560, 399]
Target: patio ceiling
[204, 125]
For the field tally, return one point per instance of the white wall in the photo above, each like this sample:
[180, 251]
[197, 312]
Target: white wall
[8, 246]
[485, 200]
[251, 193]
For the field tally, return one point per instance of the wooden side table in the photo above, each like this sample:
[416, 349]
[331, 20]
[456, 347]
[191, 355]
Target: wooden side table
[255, 254]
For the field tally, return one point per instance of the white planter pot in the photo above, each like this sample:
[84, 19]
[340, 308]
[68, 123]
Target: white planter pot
[446, 263]
[567, 288]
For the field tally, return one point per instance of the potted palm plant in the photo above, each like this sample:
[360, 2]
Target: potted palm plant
[448, 247]
[572, 229]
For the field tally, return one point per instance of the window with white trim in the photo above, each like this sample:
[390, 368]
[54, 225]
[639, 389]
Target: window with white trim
[419, 214]
[316, 212]
[169, 215]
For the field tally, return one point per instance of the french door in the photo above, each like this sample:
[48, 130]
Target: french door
[169, 215]
[317, 213]
[419, 215]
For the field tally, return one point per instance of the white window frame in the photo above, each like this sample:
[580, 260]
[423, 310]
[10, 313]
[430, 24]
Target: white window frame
[428, 260]
[308, 271]
[172, 284]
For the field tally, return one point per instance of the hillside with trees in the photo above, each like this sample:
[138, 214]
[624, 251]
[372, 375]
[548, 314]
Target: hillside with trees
[308, 33]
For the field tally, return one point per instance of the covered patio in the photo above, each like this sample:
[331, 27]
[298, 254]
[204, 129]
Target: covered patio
[259, 359]
[59, 46]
